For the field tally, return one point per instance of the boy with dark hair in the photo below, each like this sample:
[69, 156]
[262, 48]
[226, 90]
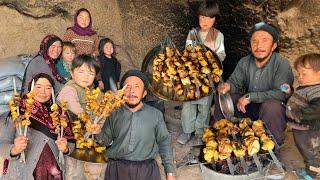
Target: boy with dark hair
[195, 115]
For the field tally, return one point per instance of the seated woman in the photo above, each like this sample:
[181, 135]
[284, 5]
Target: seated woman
[41, 145]
[44, 62]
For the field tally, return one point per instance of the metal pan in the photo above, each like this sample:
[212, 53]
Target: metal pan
[226, 105]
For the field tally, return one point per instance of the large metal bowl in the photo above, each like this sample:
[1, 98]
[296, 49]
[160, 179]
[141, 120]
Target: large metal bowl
[158, 89]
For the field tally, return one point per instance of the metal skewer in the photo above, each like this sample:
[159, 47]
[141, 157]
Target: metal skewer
[244, 165]
[230, 165]
[257, 162]
[275, 159]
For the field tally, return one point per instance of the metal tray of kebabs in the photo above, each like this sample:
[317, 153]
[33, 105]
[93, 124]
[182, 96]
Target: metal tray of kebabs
[89, 155]
[182, 76]
[239, 143]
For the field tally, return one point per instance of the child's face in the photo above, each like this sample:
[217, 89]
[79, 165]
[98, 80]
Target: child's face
[206, 22]
[307, 76]
[68, 54]
[84, 75]
[83, 19]
[108, 49]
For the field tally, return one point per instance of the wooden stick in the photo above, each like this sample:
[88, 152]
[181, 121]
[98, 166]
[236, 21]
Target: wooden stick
[14, 86]
[32, 85]
[52, 94]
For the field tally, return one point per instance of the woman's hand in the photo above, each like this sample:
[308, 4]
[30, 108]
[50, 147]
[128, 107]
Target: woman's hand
[20, 144]
[62, 144]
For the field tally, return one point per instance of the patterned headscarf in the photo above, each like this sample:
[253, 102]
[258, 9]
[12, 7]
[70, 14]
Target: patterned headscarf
[44, 47]
[78, 29]
[40, 114]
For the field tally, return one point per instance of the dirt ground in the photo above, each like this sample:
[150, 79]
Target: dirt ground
[289, 154]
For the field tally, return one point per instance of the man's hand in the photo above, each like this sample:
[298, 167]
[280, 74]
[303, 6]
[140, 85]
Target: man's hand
[171, 177]
[96, 128]
[20, 143]
[223, 88]
[62, 144]
[242, 103]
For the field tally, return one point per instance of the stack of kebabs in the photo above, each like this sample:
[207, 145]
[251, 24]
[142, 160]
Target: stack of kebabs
[226, 139]
[190, 74]
[98, 107]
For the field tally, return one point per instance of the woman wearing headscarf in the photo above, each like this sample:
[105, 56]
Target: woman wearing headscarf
[41, 145]
[82, 35]
[44, 62]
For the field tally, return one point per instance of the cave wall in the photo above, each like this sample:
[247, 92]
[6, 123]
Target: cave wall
[137, 26]
[26, 22]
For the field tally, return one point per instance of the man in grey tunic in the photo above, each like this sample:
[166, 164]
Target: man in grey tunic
[136, 132]
[256, 80]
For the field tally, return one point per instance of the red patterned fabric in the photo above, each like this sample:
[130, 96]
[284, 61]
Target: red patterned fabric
[41, 120]
[5, 166]
[47, 167]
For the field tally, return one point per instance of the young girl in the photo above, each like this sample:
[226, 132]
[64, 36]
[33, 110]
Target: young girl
[64, 63]
[110, 67]
[83, 72]
[81, 34]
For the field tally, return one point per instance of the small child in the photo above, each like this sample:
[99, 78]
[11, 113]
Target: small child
[83, 72]
[81, 34]
[195, 115]
[64, 63]
[303, 108]
[110, 66]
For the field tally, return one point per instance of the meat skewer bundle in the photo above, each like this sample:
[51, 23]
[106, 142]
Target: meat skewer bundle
[236, 141]
[186, 75]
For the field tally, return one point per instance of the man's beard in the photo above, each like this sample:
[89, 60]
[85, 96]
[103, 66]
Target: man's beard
[132, 106]
[261, 59]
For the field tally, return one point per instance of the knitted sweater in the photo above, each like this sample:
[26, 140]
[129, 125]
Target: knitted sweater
[304, 106]
[84, 44]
